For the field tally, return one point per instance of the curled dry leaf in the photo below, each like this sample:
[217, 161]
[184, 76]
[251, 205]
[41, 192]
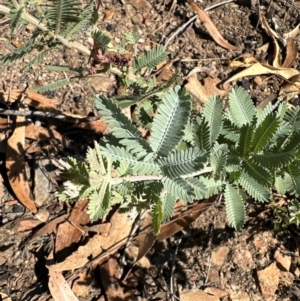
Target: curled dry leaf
[275, 37]
[260, 69]
[291, 53]
[211, 27]
[244, 60]
[293, 33]
[15, 165]
[291, 88]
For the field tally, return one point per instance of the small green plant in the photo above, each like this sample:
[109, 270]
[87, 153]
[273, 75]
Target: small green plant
[238, 150]
[61, 22]
[286, 215]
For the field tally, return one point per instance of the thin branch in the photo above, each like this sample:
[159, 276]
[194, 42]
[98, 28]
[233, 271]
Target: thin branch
[47, 115]
[32, 20]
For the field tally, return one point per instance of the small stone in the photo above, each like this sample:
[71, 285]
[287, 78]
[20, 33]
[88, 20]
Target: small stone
[260, 245]
[139, 4]
[284, 261]
[215, 291]
[218, 256]
[239, 296]
[243, 259]
[269, 279]
[137, 19]
[286, 278]
[101, 82]
[196, 295]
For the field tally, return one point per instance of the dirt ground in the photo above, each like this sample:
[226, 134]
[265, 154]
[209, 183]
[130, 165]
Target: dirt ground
[206, 260]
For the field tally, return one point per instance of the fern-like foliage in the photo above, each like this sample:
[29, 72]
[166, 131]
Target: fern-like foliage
[62, 12]
[51, 87]
[182, 162]
[238, 152]
[170, 122]
[241, 108]
[212, 113]
[235, 208]
[151, 58]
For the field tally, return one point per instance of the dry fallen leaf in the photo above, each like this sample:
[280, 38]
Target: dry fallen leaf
[184, 219]
[59, 288]
[35, 132]
[108, 14]
[34, 99]
[211, 28]
[291, 54]
[15, 165]
[71, 231]
[293, 33]
[27, 224]
[204, 89]
[110, 273]
[260, 69]
[119, 232]
[275, 37]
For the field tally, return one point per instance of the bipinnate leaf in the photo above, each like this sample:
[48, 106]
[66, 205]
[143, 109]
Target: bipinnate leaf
[280, 185]
[241, 107]
[182, 162]
[212, 186]
[256, 190]
[117, 123]
[168, 204]
[170, 122]
[293, 179]
[179, 188]
[212, 113]
[95, 160]
[244, 144]
[61, 12]
[218, 158]
[257, 172]
[264, 133]
[138, 166]
[121, 127]
[274, 160]
[151, 58]
[99, 201]
[230, 131]
[292, 116]
[202, 135]
[235, 208]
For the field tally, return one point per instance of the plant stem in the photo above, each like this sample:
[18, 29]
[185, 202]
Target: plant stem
[133, 179]
[32, 20]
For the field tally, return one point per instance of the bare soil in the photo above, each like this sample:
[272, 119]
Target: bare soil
[208, 256]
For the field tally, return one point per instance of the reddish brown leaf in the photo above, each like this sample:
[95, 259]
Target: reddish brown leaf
[184, 219]
[99, 246]
[211, 27]
[15, 165]
[291, 53]
[110, 271]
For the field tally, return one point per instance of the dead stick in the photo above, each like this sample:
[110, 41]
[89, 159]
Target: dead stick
[47, 115]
